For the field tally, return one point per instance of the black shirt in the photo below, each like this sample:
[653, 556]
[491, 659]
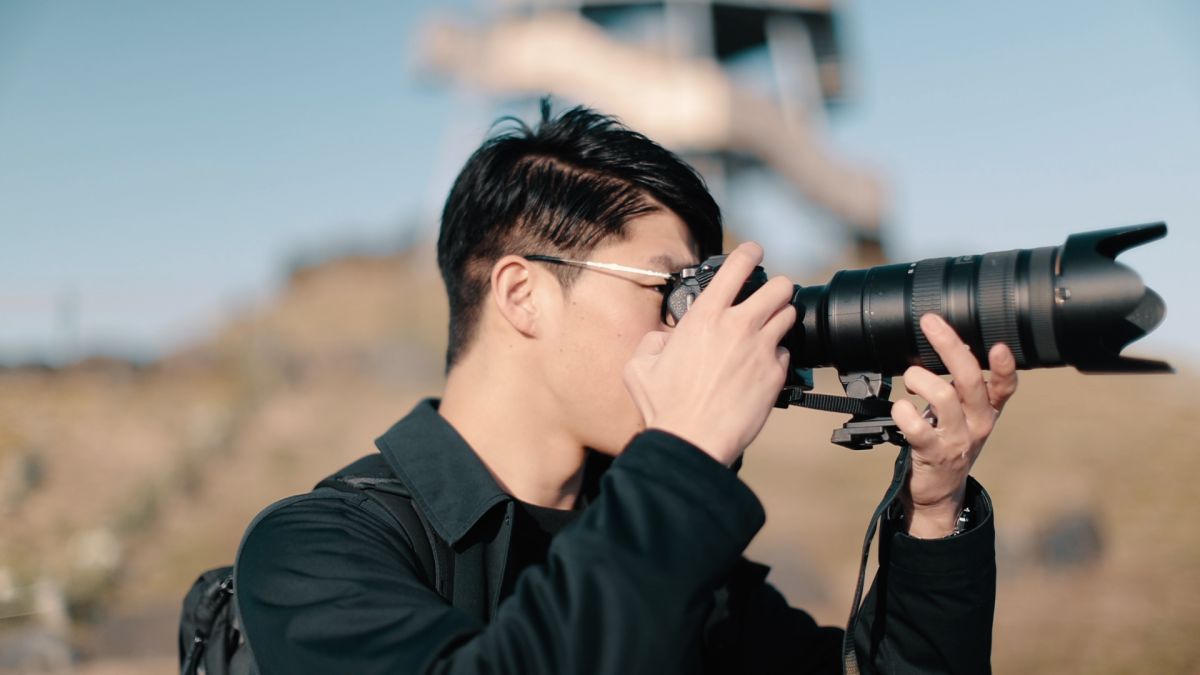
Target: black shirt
[648, 578]
[533, 528]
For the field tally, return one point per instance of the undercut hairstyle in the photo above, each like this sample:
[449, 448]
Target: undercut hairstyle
[560, 188]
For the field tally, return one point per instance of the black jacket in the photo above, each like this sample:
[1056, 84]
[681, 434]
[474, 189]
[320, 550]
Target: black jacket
[648, 579]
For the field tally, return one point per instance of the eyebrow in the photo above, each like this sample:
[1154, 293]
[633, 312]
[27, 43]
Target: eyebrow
[670, 264]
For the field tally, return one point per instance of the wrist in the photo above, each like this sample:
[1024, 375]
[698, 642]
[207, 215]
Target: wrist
[933, 521]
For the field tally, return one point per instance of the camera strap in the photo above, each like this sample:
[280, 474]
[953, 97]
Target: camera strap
[899, 474]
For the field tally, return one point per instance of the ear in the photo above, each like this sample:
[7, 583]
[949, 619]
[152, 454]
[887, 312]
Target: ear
[514, 292]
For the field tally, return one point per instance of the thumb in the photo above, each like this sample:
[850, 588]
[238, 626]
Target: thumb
[636, 370]
[652, 344]
[643, 358]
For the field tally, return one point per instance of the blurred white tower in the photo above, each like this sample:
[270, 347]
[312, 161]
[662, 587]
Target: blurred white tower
[664, 68]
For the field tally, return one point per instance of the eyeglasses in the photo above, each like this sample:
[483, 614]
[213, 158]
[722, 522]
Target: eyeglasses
[672, 279]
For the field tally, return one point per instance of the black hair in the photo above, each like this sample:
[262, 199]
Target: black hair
[560, 188]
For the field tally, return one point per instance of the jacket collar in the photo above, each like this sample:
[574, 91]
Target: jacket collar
[447, 479]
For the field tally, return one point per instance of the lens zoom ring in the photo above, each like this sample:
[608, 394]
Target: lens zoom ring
[1041, 306]
[997, 303]
[928, 276]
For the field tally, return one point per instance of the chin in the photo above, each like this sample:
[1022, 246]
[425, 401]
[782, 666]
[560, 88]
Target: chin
[609, 423]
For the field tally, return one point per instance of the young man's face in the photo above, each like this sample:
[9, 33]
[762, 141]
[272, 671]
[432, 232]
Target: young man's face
[603, 317]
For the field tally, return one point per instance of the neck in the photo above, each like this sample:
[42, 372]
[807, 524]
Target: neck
[517, 433]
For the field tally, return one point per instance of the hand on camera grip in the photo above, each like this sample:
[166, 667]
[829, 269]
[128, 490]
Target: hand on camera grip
[712, 380]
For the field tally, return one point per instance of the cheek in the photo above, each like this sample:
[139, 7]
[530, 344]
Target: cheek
[598, 340]
[607, 337]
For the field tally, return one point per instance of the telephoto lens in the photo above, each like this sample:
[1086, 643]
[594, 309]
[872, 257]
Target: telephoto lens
[1054, 306]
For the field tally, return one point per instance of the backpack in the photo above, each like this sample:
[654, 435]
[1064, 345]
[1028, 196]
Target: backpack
[211, 638]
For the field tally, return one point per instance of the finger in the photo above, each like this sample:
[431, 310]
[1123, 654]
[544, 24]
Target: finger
[1004, 376]
[728, 281]
[784, 357]
[968, 377]
[766, 302]
[779, 324]
[916, 429]
[942, 396]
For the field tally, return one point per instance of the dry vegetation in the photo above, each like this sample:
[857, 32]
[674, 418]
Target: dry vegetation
[119, 484]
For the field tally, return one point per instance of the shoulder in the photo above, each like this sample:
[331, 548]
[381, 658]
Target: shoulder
[319, 533]
[320, 575]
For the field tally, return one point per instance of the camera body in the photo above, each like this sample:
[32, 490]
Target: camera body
[693, 280]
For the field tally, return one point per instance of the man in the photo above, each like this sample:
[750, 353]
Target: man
[556, 246]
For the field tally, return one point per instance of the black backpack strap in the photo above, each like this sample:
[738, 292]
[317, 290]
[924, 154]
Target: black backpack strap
[371, 476]
[434, 555]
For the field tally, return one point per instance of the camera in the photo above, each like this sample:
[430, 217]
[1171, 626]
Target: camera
[1068, 305]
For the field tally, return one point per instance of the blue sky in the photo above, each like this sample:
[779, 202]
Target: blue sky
[159, 161]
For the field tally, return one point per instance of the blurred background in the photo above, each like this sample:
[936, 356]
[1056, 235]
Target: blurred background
[217, 281]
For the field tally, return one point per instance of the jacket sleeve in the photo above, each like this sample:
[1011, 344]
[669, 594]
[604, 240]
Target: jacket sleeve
[932, 603]
[626, 588]
[929, 610]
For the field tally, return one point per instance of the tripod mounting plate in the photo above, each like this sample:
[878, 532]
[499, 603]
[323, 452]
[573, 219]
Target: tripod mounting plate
[866, 401]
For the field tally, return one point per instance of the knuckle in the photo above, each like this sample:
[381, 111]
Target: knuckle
[943, 396]
[909, 423]
[906, 427]
[738, 320]
[970, 380]
[779, 285]
[984, 429]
